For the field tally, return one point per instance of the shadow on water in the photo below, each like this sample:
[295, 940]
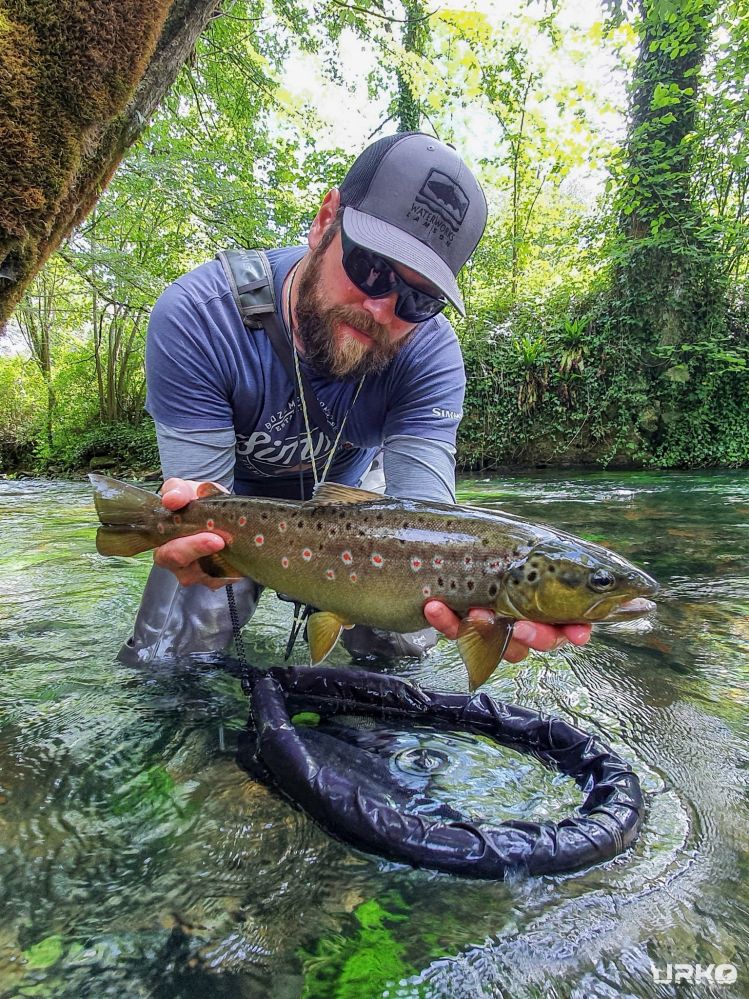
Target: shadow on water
[137, 859]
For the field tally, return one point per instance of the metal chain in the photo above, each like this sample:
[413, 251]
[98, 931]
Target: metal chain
[238, 640]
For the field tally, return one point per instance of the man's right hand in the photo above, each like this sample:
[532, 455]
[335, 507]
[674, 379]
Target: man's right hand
[181, 555]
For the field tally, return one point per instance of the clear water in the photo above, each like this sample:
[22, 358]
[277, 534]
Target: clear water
[137, 859]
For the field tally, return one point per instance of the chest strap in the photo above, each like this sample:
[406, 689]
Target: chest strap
[251, 283]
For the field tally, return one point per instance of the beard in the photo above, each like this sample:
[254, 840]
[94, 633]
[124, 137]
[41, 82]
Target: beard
[330, 353]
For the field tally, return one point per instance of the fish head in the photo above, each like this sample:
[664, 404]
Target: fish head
[560, 582]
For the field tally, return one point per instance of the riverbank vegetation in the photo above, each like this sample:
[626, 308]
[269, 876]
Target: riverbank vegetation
[607, 323]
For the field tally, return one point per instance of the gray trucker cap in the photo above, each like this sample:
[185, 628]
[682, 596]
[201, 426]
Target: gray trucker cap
[411, 198]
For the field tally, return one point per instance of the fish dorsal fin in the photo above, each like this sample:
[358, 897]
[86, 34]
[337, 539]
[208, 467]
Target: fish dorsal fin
[323, 631]
[481, 645]
[330, 493]
[207, 489]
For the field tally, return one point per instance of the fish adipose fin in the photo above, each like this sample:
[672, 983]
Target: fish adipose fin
[329, 493]
[482, 645]
[208, 489]
[123, 511]
[323, 630]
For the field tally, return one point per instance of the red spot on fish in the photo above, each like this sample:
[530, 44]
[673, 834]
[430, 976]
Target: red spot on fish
[347, 557]
[353, 577]
[282, 526]
[468, 561]
[330, 573]
[437, 562]
[377, 560]
[416, 564]
[495, 565]
[209, 524]
[306, 554]
[259, 540]
[178, 518]
[242, 521]
[285, 562]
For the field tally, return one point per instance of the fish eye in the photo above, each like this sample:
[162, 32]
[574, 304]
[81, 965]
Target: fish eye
[602, 579]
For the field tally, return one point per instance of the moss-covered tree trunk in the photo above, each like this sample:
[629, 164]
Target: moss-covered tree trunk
[667, 278]
[79, 80]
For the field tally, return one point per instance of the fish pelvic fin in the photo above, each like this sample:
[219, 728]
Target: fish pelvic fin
[323, 631]
[481, 645]
[218, 566]
[124, 512]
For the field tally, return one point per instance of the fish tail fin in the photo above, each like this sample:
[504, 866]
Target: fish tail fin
[126, 515]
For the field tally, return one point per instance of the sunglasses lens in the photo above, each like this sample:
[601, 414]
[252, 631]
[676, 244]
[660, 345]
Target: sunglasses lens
[374, 276]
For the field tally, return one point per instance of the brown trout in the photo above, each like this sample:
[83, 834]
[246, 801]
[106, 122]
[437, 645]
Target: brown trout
[363, 558]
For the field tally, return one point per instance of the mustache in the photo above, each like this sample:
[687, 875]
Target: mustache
[361, 320]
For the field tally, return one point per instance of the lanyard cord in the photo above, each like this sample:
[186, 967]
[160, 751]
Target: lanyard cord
[301, 395]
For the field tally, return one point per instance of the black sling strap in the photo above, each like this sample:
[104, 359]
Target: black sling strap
[251, 282]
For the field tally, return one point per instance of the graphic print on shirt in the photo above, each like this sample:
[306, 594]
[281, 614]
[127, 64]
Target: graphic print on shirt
[272, 450]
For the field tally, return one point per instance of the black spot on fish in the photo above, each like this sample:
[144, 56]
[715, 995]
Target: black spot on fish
[453, 584]
[318, 525]
[493, 590]
[552, 568]
[440, 581]
[348, 525]
[300, 524]
[380, 516]
[263, 516]
[469, 584]
[532, 577]
[484, 541]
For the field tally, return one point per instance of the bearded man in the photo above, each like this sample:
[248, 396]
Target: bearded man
[361, 306]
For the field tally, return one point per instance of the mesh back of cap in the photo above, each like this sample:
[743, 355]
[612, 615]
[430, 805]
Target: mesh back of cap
[356, 182]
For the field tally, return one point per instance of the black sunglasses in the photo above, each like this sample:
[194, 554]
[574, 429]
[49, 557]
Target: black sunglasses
[375, 276]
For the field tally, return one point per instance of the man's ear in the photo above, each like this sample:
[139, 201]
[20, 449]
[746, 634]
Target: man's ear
[325, 216]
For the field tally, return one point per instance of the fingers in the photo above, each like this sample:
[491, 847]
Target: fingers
[181, 557]
[526, 635]
[447, 621]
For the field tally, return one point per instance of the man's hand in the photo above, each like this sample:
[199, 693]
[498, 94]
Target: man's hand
[526, 635]
[181, 555]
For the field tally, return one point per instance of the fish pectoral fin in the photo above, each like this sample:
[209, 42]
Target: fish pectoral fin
[329, 493]
[481, 645]
[207, 489]
[323, 630]
[218, 566]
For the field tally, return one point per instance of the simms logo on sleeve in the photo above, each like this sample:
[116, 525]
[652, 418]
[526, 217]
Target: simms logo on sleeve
[446, 414]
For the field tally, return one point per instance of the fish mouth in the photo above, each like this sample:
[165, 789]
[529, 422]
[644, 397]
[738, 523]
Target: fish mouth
[637, 607]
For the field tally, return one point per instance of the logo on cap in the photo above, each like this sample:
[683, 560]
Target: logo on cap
[442, 195]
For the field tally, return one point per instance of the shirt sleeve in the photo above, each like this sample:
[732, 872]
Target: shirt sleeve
[188, 365]
[418, 468]
[203, 455]
[428, 391]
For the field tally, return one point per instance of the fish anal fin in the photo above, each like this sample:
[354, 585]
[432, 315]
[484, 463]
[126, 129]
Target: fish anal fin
[330, 493]
[218, 566]
[482, 644]
[123, 540]
[207, 489]
[323, 630]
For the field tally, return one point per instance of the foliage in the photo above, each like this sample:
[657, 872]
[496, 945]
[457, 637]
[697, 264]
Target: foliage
[363, 964]
[615, 332]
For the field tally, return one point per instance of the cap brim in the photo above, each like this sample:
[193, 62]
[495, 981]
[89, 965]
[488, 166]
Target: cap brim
[402, 248]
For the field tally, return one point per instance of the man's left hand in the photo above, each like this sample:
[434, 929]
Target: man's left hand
[526, 635]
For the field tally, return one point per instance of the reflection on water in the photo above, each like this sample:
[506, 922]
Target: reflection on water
[138, 860]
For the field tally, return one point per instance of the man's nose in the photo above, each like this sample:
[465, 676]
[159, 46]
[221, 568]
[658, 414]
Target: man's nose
[382, 309]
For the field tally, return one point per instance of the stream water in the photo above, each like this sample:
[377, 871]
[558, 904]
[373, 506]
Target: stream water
[138, 860]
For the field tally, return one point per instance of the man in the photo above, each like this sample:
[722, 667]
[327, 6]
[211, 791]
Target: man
[362, 306]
